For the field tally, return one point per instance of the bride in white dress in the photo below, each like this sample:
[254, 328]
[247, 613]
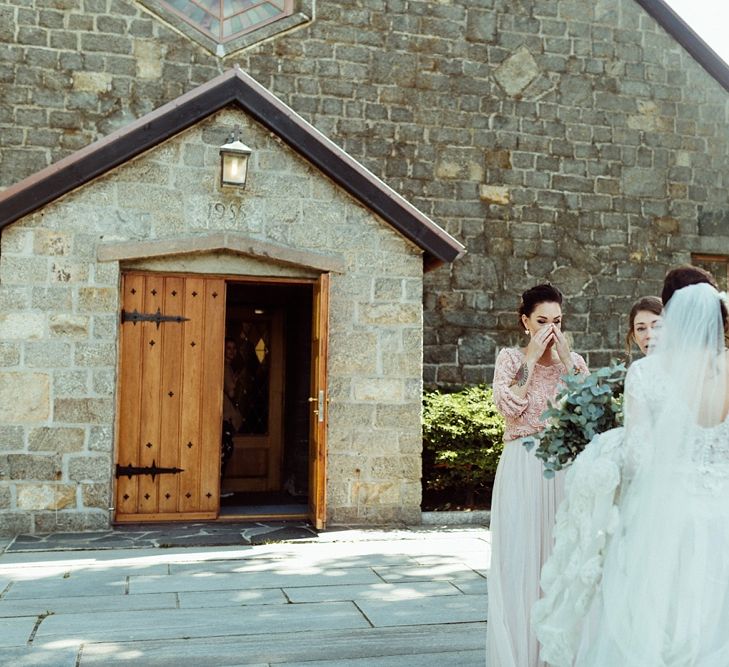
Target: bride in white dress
[639, 576]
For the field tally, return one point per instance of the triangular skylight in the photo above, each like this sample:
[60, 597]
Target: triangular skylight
[225, 26]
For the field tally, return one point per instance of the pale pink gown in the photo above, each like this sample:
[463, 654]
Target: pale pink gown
[523, 508]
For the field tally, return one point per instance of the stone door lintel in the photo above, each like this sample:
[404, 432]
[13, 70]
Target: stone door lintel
[219, 241]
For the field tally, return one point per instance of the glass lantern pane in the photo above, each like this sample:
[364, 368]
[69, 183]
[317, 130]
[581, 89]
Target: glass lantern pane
[225, 19]
[234, 168]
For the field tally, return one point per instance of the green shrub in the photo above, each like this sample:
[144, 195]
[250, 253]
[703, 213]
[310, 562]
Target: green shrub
[462, 436]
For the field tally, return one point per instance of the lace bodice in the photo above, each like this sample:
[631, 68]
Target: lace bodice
[710, 455]
[522, 415]
[706, 459]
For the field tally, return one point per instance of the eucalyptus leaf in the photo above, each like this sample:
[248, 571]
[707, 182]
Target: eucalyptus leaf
[585, 406]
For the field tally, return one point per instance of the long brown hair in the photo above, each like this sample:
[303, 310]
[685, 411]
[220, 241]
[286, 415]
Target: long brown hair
[685, 275]
[652, 304]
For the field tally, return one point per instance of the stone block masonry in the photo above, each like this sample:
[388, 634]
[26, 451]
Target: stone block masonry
[59, 349]
[547, 136]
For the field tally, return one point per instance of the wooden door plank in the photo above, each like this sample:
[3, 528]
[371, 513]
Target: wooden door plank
[149, 433]
[130, 382]
[212, 395]
[192, 357]
[318, 419]
[171, 394]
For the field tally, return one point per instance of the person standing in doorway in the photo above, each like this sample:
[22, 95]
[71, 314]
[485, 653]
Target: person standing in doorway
[232, 419]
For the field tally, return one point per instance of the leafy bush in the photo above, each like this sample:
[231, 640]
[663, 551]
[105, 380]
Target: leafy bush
[462, 436]
[585, 407]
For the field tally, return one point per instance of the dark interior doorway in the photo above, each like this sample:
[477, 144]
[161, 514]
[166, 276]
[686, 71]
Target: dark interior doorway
[266, 399]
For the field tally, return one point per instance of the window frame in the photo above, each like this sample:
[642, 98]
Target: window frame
[298, 13]
[701, 259]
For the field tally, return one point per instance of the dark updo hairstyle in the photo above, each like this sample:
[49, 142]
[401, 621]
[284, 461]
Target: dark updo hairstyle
[544, 293]
[685, 275]
[652, 304]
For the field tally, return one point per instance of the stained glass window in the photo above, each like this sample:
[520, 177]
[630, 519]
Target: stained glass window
[224, 20]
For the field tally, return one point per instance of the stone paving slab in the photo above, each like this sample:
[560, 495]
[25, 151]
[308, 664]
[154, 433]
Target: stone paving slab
[16, 565]
[304, 559]
[97, 571]
[249, 580]
[474, 560]
[21, 572]
[259, 619]
[379, 644]
[449, 609]
[201, 599]
[475, 587]
[443, 572]
[417, 589]
[275, 605]
[94, 603]
[79, 583]
[16, 631]
[445, 659]
[34, 657]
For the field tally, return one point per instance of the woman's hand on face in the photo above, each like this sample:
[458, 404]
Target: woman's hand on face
[539, 343]
[563, 348]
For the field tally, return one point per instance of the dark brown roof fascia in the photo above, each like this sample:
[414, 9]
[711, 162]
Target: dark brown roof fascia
[232, 87]
[103, 155]
[685, 35]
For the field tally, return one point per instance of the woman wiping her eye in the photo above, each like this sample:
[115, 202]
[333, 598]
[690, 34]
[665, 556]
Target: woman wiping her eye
[524, 503]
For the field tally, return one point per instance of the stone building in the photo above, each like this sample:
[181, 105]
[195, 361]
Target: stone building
[315, 283]
[579, 142]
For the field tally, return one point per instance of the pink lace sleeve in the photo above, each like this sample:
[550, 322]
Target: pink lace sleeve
[505, 370]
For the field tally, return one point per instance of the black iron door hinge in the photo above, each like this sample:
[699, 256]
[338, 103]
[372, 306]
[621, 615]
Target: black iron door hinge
[153, 470]
[135, 316]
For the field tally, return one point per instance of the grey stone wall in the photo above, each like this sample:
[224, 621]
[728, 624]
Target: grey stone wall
[59, 324]
[558, 139]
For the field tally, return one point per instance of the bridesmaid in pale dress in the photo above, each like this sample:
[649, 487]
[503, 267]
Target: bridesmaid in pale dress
[524, 503]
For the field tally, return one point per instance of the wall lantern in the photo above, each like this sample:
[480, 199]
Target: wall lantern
[234, 161]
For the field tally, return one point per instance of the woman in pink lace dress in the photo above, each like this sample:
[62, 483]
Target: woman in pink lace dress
[524, 502]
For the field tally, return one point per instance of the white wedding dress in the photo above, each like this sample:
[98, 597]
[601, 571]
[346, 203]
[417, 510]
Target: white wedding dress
[639, 575]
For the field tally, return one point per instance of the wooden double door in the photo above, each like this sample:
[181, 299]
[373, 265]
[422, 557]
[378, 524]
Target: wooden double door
[169, 422]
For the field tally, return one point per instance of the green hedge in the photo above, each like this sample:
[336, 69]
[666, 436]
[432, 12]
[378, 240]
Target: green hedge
[462, 440]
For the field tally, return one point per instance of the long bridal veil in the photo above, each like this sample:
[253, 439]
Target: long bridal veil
[665, 582]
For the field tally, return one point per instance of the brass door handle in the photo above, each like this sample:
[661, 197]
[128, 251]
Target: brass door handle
[319, 400]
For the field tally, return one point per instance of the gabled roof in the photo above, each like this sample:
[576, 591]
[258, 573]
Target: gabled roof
[673, 24]
[234, 87]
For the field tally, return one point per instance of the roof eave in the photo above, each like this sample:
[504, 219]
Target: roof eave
[685, 35]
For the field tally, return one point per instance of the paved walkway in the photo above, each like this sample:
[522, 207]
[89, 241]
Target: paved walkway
[345, 598]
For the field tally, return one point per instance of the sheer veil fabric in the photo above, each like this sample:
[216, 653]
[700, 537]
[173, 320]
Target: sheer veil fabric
[664, 596]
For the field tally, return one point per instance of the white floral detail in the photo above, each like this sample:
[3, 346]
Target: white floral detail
[585, 521]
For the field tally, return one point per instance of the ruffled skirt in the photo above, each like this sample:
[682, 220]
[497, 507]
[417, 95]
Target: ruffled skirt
[523, 509]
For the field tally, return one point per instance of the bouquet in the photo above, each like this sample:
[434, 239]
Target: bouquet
[585, 406]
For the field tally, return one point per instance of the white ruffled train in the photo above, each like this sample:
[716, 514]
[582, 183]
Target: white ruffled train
[585, 520]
